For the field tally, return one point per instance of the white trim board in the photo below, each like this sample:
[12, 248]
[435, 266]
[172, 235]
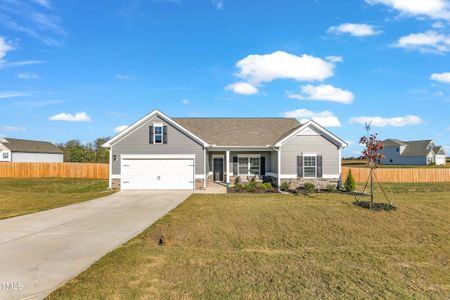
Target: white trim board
[157, 156]
[327, 133]
[331, 176]
[294, 176]
[141, 122]
[288, 176]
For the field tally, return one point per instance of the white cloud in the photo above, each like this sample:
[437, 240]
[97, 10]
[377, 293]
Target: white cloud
[5, 47]
[324, 92]
[324, 118]
[335, 59]
[430, 41]
[28, 75]
[382, 122]
[442, 77]
[281, 65]
[13, 128]
[354, 29]
[185, 101]
[242, 88]
[120, 128]
[78, 117]
[436, 9]
[44, 3]
[125, 77]
[12, 94]
[218, 4]
[30, 19]
[7, 64]
[438, 25]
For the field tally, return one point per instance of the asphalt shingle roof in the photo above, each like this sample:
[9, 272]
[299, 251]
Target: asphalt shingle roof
[240, 131]
[393, 143]
[19, 145]
[413, 148]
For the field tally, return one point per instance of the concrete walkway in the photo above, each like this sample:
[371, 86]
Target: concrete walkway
[41, 251]
[213, 188]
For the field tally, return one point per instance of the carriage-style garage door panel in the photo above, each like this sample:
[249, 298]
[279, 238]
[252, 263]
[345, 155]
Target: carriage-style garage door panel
[156, 174]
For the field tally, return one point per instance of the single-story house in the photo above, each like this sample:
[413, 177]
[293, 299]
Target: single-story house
[19, 150]
[159, 152]
[397, 152]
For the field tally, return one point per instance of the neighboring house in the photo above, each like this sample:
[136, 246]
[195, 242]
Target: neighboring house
[424, 152]
[159, 152]
[18, 150]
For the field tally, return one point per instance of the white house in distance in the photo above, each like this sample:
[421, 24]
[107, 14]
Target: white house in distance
[423, 152]
[18, 150]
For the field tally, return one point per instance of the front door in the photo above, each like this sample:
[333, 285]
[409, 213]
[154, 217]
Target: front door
[218, 168]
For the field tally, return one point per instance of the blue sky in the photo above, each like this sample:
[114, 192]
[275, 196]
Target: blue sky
[74, 71]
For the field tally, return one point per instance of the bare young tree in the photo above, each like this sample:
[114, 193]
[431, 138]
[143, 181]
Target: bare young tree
[371, 154]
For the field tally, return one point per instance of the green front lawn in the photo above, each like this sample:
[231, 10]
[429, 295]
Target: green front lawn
[23, 196]
[282, 246]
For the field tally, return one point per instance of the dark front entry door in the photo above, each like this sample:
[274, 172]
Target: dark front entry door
[218, 169]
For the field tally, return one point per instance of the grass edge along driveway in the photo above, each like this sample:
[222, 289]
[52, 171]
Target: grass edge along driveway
[28, 195]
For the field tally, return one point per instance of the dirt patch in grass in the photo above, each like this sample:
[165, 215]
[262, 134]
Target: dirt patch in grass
[276, 246]
[23, 196]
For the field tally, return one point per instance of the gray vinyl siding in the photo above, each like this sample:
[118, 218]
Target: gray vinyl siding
[274, 162]
[37, 157]
[137, 142]
[309, 144]
[397, 159]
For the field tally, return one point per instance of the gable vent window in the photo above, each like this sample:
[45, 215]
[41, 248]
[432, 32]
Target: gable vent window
[398, 149]
[5, 155]
[158, 134]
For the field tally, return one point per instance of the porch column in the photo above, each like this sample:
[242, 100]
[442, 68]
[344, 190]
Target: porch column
[110, 168]
[279, 167]
[227, 166]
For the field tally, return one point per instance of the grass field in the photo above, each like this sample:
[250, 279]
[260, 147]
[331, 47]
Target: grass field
[360, 163]
[282, 246]
[23, 196]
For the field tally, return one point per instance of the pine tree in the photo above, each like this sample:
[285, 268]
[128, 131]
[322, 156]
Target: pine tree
[349, 183]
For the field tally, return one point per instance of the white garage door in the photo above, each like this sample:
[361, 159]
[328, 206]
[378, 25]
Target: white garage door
[440, 160]
[157, 174]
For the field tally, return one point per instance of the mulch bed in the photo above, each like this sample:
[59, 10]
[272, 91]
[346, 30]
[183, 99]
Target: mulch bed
[243, 191]
[375, 206]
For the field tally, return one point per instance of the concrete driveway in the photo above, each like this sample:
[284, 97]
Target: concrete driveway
[41, 251]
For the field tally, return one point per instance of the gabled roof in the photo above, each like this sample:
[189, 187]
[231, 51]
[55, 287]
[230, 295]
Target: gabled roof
[412, 148]
[232, 132]
[393, 143]
[438, 149]
[245, 132]
[312, 124]
[144, 120]
[20, 145]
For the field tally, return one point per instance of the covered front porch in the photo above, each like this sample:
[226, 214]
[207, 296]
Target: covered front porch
[225, 164]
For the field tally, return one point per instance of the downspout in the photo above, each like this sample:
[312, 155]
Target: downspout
[204, 168]
[278, 167]
[340, 168]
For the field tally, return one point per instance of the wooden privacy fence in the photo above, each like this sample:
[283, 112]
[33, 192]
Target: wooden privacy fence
[64, 170]
[397, 175]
